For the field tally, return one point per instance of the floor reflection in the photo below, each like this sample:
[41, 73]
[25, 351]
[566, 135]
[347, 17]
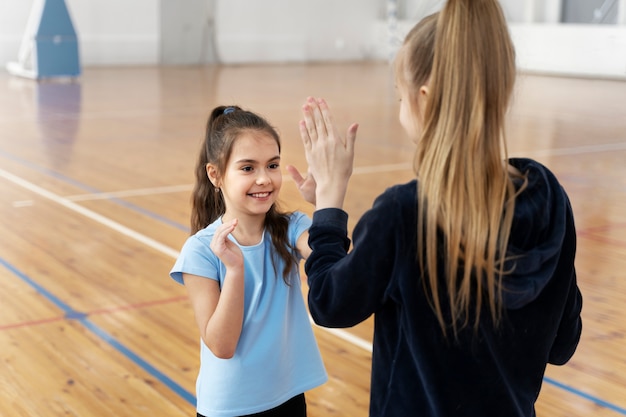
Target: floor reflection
[58, 118]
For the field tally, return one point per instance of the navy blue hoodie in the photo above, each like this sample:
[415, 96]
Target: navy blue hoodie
[416, 370]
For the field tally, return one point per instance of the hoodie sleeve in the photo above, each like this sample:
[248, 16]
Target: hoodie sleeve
[570, 327]
[346, 287]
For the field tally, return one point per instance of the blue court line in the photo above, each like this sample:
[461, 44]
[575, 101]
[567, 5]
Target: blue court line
[586, 396]
[41, 290]
[167, 381]
[72, 314]
[92, 190]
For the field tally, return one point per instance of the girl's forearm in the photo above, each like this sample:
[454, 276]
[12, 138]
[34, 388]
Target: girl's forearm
[224, 327]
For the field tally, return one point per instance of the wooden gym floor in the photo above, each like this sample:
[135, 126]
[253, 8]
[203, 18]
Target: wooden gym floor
[95, 178]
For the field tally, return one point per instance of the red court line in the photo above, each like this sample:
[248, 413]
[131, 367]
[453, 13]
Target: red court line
[137, 306]
[591, 233]
[31, 323]
[603, 228]
[102, 311]
[602, 239]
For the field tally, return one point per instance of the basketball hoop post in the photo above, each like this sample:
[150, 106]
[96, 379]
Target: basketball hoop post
[49, 48]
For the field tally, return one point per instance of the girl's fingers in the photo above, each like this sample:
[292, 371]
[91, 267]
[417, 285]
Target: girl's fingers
[320, 123]
[304, 134]
[295, 175]
[317, 120]
[351, 136]
[309, 119]
[228, 227]
[325, 116]
[222, 232]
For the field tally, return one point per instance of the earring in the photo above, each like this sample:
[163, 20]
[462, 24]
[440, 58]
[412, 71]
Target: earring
[217, 189]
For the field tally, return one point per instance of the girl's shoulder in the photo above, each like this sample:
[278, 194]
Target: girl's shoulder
[528, 166]
[203, 237]
[298, 217]
[399, 194]
[539, 179]
[208, 231]
[298, 223]
[405, 189]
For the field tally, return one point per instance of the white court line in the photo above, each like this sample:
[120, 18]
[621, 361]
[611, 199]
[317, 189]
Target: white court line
[89, 214]
[131, 193]
[620, 146]
[141, 239]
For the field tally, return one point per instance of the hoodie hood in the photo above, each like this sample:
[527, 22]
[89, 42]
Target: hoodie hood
[537, 235]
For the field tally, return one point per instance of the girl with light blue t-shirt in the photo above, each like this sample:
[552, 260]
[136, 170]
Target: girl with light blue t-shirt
[258, 354]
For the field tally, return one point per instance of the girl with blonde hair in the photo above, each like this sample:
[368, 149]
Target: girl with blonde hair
[469, 268]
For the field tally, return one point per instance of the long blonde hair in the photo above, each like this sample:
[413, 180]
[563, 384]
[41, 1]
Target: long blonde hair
[466, 197]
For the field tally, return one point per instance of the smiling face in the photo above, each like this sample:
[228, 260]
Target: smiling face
[252, 178]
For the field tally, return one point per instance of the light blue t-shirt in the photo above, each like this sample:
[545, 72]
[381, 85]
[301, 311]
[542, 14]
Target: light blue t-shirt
[277, 356]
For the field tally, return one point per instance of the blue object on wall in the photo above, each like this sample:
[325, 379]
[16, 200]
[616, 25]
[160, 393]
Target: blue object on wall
[52, 50]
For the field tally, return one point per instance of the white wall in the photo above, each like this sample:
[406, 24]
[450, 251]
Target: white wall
[584, 50]
[129, 32]
[13, 17]
[597, 51]
[116, 31]
[295, 30]
[187, 33]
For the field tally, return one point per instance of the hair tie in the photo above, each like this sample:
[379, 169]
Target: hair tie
[228, 110]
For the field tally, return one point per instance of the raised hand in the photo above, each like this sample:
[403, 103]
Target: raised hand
[224, 248]
[306, 185]
[330, 156]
